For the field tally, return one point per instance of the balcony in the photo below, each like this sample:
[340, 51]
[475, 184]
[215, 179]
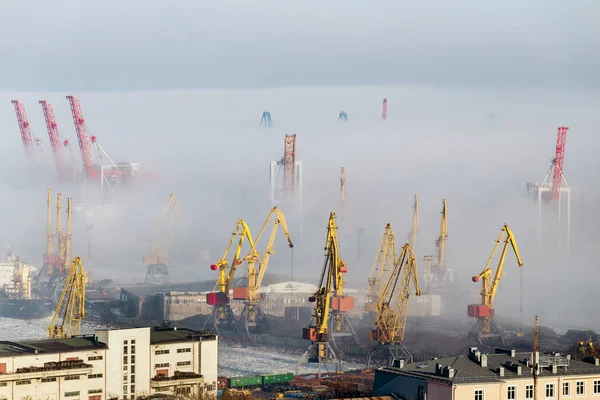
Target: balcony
[178, 379]
[49, 370]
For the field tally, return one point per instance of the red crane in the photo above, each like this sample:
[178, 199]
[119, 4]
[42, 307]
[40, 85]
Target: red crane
[558, 162]
[289, 165]
[85, 141]
[55, 142]
[28, 140]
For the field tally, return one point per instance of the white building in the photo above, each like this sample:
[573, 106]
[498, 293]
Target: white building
[112, 364]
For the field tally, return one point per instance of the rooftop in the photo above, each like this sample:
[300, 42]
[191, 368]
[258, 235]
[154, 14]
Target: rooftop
[50, 346]
[175, 335]
[501, 366]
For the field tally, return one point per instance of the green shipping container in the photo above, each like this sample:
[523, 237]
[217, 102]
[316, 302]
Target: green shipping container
[277, 378]
[244, 381]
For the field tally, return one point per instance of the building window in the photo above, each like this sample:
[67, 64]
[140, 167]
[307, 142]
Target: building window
[183, 363]
[132, 390]
[580, 385]
[566, 388]
[3, 384]
[94, 358]
[211, 387]
[125, 342]
[133, 369]
[161, 365]
[44, 380]
[159, 352]
[529, 391]
[124, 389]
[94, 391]
[125, 360]
[93, 376]
[71, 394]
[133, 349]
[133, 359]
[125, 368]
[183, 390]
[72, 378]
[186, 350]
[133, 341]
[124, 378]
[596, 387]
[23, 382]
[421, 392]
[132, 380]
[511, 393]
[478, 394]
[550, 390]
[124, 349]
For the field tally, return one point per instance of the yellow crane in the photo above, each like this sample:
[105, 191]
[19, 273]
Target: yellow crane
[484, 312]
[439, 273]
[71, 306]
[330, 287]
[383, 264]
[392, 306]
[158, 255]
[252, 316]
[222, 314]
[50, 259]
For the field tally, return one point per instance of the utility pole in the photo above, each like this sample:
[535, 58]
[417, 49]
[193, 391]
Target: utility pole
[359, 231]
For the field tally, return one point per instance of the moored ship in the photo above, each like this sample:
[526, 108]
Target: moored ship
[16, 299]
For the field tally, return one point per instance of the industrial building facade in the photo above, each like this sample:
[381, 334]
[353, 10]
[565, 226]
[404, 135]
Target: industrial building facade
[505, 375]
[111, 364]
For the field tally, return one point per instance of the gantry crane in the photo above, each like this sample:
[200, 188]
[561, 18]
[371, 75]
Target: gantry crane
[29, 142]
[222, 315]
[382, 266]
[55, 141]
[392, 308]
[484, 312]
[158, 255]
[439, 273]
[252, 317]
[71, 306]
[329, 300]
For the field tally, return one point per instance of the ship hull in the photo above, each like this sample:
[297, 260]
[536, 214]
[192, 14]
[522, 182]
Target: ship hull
[26, 309]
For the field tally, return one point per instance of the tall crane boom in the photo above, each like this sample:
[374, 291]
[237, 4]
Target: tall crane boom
[558, 162]
[85, 141]
[392, 306]
[289, 165]
[55, 141]
[71, 306]
[382, 266]
[484, 312]
[25, 129]
[415, 224]
[158, 255]
[441, 241]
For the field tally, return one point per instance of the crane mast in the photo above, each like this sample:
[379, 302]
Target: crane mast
[289, 165]
[61, 265]
[71, 305]
[85, 141]
[252, 316]
[55, 142]
[392, 306]
[222, 314]
[440, 274]
[50, 259]
[484, 312]
[158, 255]
[415, 224]
[329, 292]
[382, 266]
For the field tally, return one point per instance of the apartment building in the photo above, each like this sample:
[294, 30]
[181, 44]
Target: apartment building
[111, 364]
[505, 375]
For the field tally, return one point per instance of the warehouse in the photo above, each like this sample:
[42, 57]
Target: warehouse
[123, 363]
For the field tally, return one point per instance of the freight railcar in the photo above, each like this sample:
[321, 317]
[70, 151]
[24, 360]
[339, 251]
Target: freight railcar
[256, 380]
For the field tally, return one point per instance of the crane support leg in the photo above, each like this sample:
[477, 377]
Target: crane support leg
[322, 354]
[222, 317]
[253, 319]
[486, 329]
[341, 329]
[157, 274]
[383, 355]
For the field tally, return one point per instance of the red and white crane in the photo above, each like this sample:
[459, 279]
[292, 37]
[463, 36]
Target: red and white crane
[28, 140]
[55, 141]
[557, 163]
[85, 141]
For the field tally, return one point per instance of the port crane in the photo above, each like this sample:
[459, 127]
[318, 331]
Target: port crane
[347, 227]
[392, 309]
[252, 317]
[55, 141]
[440, 275]
[71, 306]
[29, 142]
[222, 315]
[158, 255]
[415, 225]
[484, 312]
[382, 266]
[328, 300]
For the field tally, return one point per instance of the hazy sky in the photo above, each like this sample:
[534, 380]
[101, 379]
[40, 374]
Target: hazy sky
[137, 44]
